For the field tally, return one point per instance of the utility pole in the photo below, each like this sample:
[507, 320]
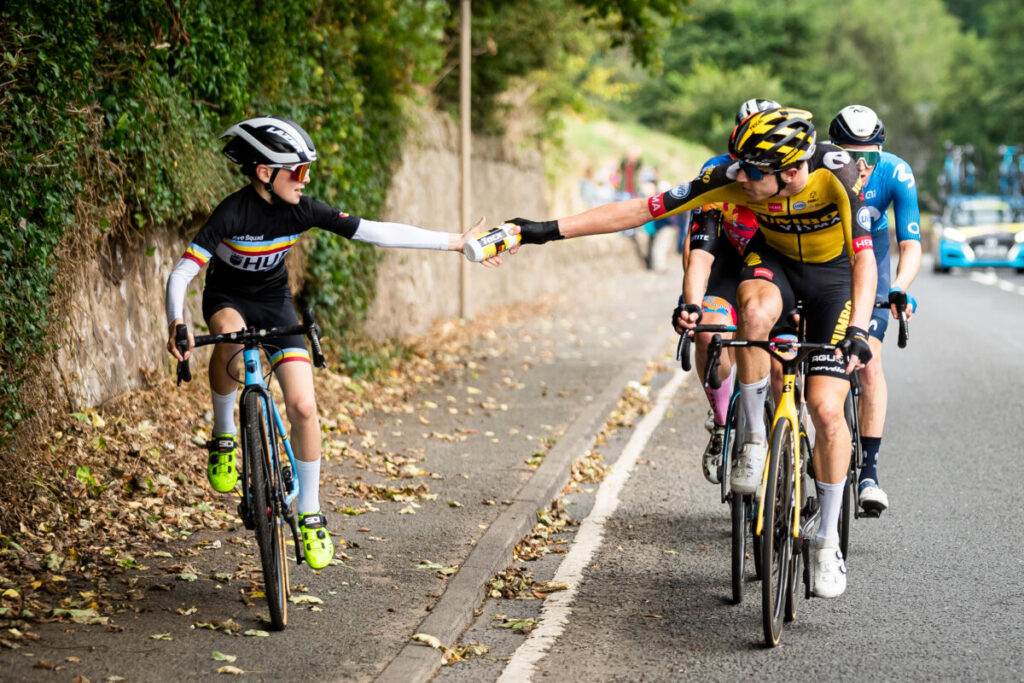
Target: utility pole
[465, 57]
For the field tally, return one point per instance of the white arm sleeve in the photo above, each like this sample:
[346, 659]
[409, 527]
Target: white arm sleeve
[177, 282]
[400, 235]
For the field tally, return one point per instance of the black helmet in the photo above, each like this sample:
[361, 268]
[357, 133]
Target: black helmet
[270, 140]
[774, 139]
[857, 125]
[755, 104]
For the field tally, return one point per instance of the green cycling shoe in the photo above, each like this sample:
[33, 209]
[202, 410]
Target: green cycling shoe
[316, 539]
[222, 470]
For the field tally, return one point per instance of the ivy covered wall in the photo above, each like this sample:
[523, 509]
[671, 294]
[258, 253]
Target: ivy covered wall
[109, 116]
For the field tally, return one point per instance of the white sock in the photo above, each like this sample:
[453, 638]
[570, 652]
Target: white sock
[309, 485]
[831, 498]
[752, 399]
[224, 413]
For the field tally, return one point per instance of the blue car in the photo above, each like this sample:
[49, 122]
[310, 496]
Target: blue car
[980, 231]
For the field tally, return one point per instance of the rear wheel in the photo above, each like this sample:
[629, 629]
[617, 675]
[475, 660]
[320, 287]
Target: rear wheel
[263, 509]
[777, 533]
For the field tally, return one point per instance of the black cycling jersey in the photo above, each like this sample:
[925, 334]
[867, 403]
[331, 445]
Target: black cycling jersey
[250, 237]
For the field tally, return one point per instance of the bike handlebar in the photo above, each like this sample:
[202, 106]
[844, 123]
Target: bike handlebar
[250, 337]
[683, 348]
[717, 344]
[901, 310]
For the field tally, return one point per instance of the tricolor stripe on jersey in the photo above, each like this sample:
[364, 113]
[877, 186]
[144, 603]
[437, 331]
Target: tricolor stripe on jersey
[196, 253]
[265, 248]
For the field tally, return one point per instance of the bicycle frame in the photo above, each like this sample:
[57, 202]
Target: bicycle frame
[786, 410]
[253, 382]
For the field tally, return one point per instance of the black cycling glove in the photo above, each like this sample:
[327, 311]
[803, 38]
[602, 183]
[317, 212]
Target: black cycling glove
[537, 233]
[685, 308]
[897, 298]
[855, 343]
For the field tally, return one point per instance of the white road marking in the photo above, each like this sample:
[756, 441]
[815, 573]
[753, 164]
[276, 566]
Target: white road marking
[990, 279]
[558, 606]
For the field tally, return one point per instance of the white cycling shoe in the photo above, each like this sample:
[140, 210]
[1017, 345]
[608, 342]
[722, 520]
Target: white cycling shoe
[748, 470]
[872, 498]
[828, 572]
[712, 459]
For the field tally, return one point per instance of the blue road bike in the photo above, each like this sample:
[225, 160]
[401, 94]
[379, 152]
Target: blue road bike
[269, 487]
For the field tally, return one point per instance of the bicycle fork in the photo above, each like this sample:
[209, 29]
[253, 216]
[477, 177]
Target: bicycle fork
[785, 411]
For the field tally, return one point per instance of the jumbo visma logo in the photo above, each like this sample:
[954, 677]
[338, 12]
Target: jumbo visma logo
[752, 260]
[844, 320]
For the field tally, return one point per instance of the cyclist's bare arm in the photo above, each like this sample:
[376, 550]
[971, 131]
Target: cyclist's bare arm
[865, 277]
[908, 267]
[614, 217]
[695, 282]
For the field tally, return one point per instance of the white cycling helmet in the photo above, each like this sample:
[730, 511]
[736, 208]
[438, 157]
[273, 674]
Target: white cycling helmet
[857, 125]
[270, 140]
[755, 104]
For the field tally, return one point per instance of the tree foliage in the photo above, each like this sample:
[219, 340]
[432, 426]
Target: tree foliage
[802, 56]
[111, 110]
[540, 39]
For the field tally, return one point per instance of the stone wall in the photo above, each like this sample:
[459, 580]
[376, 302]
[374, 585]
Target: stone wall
[116, 328]
[417, 287]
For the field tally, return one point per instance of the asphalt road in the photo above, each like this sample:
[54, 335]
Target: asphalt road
[467, 440]
[934, 587]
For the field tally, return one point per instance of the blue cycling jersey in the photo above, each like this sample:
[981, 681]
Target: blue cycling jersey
[715, 161]
[892, 182]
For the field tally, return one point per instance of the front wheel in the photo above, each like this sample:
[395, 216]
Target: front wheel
[259, 492]
[740, 504]
[849, 506]
[777, 533]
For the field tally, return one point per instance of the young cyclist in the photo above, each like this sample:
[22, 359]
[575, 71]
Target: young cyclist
[887, 180]
[244, 242]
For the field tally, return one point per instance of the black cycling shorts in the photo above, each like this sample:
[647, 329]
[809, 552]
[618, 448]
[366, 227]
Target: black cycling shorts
[824, 289]
[270, 309]
[725, 273]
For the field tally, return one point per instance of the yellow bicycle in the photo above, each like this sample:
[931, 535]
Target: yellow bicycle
[787, 510]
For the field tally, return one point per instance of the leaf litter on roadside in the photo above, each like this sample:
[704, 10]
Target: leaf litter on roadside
[126, 481]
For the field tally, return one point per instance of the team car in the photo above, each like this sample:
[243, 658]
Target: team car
[980, 231]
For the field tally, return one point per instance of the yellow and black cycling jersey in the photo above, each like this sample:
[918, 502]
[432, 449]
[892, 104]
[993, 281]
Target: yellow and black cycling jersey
[818, 224]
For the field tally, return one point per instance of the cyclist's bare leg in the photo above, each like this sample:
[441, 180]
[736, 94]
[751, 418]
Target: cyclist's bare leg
[872, 409]
[704, 338]
[296, 379]
[225, 320]
[223, 387]
[826, 398]
[760, 306]
[875, 395]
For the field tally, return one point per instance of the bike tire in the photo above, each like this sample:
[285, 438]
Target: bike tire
[777, 533]
[769, 416]
[849, 506]
[739, 504]
[268, 537]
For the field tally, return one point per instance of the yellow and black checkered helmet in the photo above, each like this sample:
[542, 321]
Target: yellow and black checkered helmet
[774, 139]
